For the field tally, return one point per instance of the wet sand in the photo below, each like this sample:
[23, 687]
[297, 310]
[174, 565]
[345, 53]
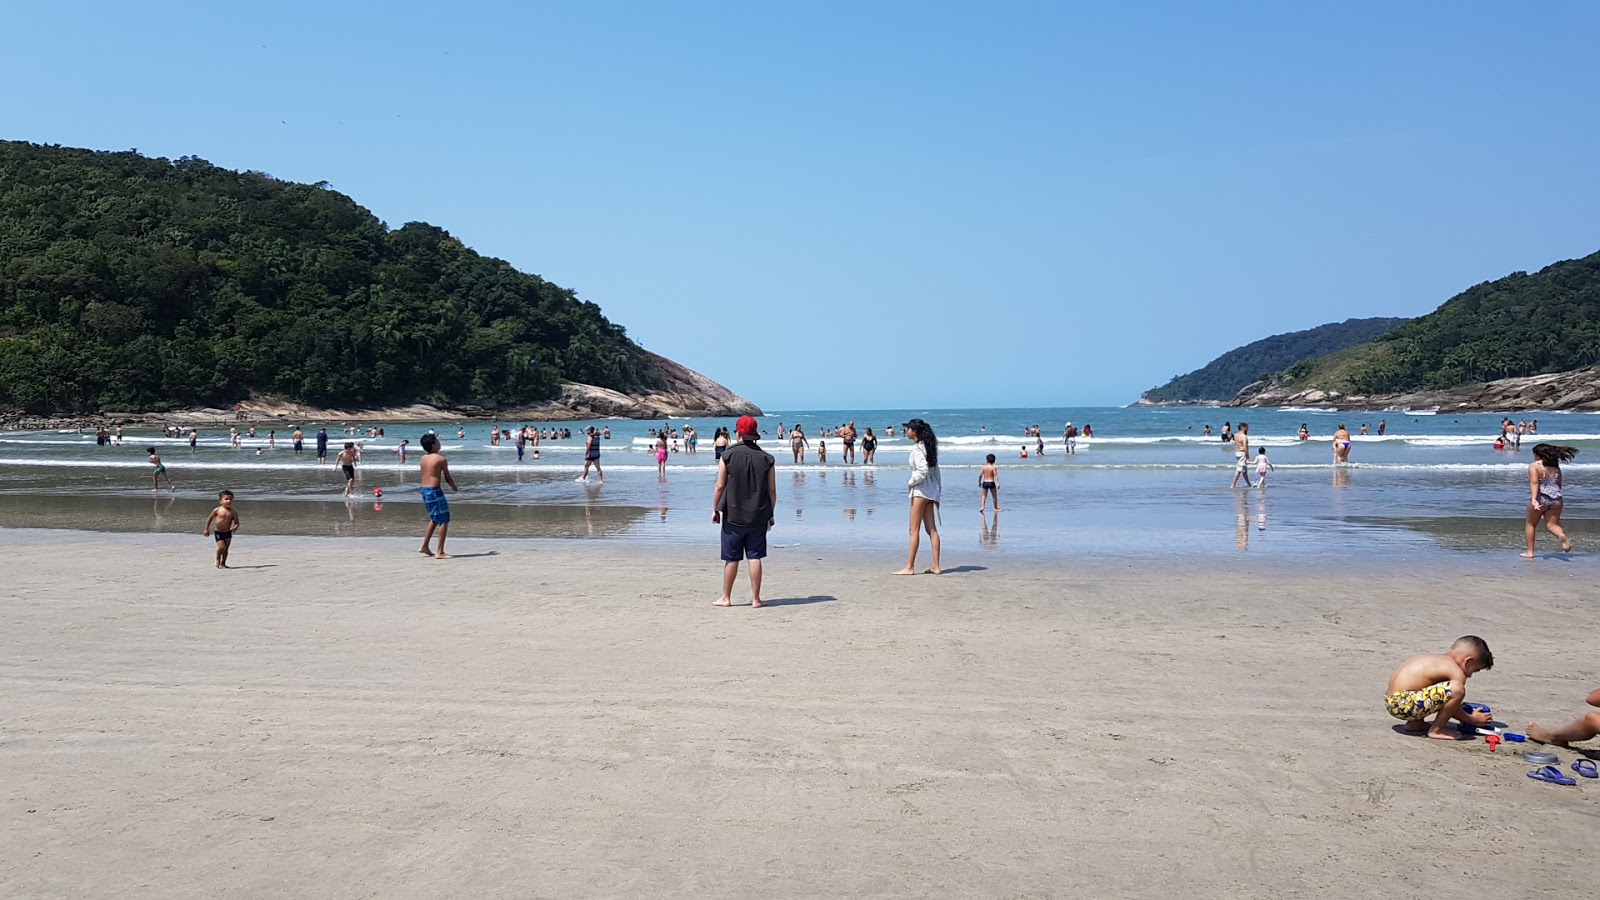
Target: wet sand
[344, 718]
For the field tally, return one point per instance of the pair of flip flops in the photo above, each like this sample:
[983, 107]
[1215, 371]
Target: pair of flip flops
[1584, 767]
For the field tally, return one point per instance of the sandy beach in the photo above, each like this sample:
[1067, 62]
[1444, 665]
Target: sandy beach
[342, 718]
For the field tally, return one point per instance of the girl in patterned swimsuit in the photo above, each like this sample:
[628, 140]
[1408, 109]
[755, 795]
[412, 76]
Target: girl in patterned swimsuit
[1544, 485]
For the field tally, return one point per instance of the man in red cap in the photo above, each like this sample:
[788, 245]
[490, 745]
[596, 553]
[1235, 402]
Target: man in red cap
[747, 490]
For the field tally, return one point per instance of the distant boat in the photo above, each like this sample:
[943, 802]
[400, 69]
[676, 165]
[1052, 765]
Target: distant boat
[1430, 411]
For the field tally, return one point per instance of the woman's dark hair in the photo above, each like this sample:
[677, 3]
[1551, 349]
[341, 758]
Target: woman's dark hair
[1553, 456]
[928, 440]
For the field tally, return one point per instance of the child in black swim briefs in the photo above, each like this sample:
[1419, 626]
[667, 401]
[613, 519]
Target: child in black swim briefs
[222, 523]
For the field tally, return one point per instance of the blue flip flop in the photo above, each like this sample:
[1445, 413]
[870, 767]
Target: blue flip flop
[1586, 768]
[1552, 775]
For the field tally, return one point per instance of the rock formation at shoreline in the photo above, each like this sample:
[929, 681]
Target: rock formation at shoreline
[1579, 389]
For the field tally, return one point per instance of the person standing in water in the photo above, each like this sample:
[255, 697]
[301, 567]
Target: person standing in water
[159, 473]
[591, 456]
[1545, 502]
[1241, 456]
[1341, 445]
[869, 448]
[798, 444]
[924, 490]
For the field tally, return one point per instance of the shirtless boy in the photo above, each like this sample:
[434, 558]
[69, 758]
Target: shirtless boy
[1435, 684]
[347, 462]
[224, 521]
[435, 467]
[1584, 728]
[989, 483]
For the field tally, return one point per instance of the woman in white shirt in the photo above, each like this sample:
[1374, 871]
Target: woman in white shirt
[924, 488]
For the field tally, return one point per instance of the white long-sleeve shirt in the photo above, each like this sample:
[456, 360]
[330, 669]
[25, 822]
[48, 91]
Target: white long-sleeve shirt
[925, 480]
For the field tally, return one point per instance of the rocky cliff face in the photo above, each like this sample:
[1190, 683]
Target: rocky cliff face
[1578, 389]
[684, 393]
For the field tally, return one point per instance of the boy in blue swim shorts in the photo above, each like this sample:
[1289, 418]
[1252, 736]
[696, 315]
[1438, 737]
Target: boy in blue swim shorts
[1435, 684]
[434, 468]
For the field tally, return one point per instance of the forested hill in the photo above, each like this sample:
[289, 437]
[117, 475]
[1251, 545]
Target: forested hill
[1222, 378]
[135, 283]
[1519, 325]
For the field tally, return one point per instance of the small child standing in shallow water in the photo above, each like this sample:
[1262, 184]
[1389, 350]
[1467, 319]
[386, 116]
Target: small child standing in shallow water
[159, 473]
[224, 521]
[1435, 684]
[989, 482]
[1263, 466]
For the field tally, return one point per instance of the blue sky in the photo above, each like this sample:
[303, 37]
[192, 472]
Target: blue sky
[890, 204]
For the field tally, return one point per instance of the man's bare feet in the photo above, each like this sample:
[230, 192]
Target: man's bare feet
[425, 551]
[1417, 727]
[1540, 734]
[1527, 556]
[1566, 546]
[907, 571]
[722, 601]
[1445, 736]
[442, 555]
[756, 603]
[933, 571]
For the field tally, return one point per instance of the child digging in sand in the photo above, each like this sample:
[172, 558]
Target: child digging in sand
[1584, 728]
[224, 521]
[1435, 684]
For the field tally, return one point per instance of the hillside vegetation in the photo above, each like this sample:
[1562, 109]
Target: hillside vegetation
[135, 283]
[1222, 378]
[1516, 326]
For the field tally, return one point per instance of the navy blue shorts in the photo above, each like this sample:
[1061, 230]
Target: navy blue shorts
[743, 542]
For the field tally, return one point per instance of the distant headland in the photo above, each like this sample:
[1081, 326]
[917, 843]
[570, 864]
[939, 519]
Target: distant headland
[158, 286]
[1519, 342]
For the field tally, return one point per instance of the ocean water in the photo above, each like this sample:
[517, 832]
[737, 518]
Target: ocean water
[1147, 485]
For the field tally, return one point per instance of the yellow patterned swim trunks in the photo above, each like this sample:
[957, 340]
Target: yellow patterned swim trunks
[1410, 706]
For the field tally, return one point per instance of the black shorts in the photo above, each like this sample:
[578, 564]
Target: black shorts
[297, 446]
[222, 536]
[322, 453]
[743, 542]
[349, 473]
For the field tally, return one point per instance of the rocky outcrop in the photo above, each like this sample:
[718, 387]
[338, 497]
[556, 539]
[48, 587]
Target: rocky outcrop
[683, 393]
[1578, 389]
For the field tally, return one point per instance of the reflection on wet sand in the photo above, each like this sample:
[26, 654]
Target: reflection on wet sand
[354, 518]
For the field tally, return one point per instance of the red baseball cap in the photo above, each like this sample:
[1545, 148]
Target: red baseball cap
[747, 425]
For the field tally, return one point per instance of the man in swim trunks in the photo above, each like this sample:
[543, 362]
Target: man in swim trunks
[435, 467]
[847, 434]
[1241, 456]
[347, 462]
[299, 440]
[1435, 684]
